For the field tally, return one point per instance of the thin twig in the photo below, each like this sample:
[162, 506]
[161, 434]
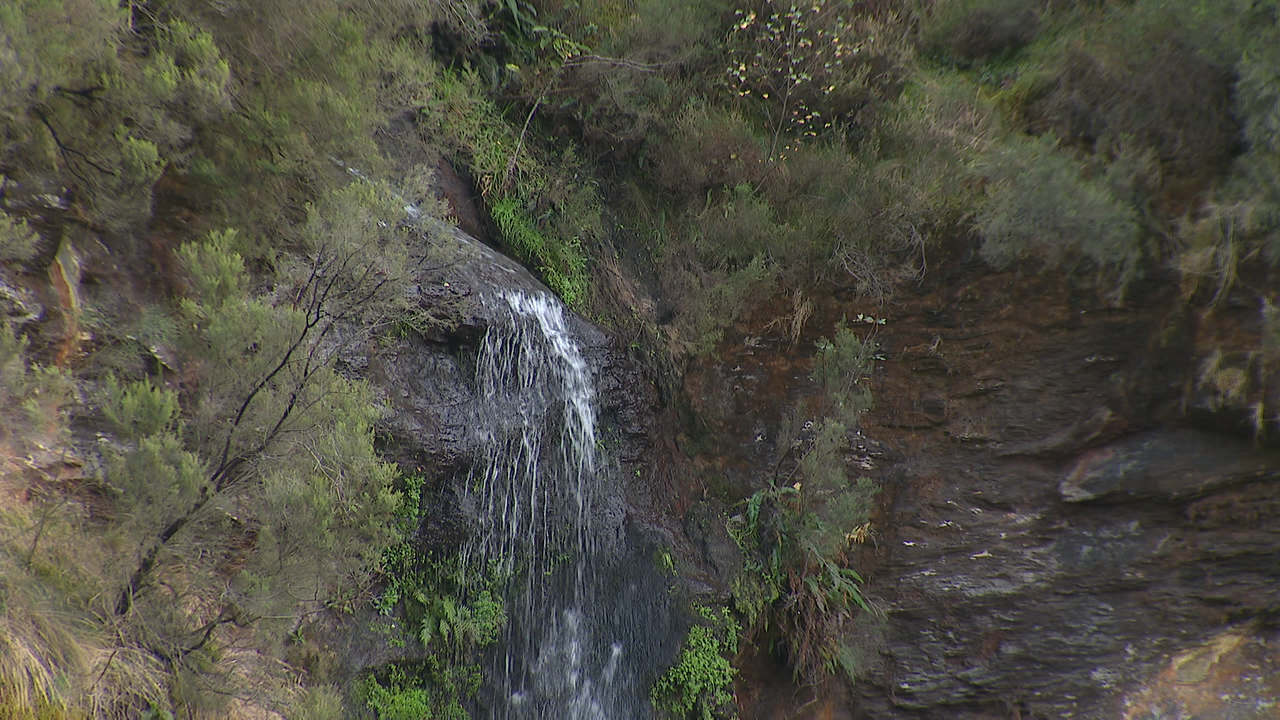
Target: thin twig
[67, 148]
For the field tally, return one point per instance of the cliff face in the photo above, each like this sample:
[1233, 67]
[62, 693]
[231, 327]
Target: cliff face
[448, 424]
[1071, 506]
[1080, 511]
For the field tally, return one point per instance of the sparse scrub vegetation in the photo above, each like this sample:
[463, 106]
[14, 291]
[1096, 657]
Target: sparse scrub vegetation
[17, 239]
[797, 532]
[764, 150]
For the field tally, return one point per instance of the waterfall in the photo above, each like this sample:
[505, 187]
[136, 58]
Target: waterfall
[537, 492]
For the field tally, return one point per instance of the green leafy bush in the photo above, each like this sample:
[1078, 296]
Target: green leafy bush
[106, 114]
[700, 684]
[427, 691]
[33, 397]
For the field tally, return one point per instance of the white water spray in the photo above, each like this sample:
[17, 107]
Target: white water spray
[534, 492]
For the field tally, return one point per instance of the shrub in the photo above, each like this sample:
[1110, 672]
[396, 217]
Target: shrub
[33, 398]
[106, 114]
[138, 410]
[700, 684]
[271, 480]
[18, 241]
[742, 227]
[1145, 72]
[427, 691]
[622, 97]
[796, 534]
[802, 67]
[839, 368]
[708, 301]
[1256, 182]
[796, 537]
[1041, 206]
[710, 148]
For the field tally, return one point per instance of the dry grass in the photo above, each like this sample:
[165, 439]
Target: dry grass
[1227, 382]
[57, 658]
[801, 310]
[1217, 244]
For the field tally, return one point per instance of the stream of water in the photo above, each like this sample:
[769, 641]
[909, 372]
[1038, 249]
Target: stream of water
[536, 494]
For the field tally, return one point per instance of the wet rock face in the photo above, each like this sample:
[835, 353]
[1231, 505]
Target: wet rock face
[1056, 526]
[1059, 530]
[427, 383]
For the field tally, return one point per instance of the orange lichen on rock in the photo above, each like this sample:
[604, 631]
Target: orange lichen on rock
[1235, 674]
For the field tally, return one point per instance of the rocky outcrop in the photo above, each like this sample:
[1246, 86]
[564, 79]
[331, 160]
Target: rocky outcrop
[1059, 523]
[1070, 518]
[425, 375]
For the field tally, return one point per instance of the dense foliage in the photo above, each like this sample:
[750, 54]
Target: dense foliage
[197, 477]
[700, 684]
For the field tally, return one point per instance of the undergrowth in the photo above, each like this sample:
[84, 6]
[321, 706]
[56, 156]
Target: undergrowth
[797, 534]
[700, 684]
[446, 612]
[756, 150]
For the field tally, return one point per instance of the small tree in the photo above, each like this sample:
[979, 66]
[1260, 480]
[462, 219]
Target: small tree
[799, 65]
[265, 498]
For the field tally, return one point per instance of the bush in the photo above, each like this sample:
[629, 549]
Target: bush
[796, 535]
[709, 300]
[33, 398]
[709, 148]
[1041, 206]
[700, 684]
[106, 114]
[839, 368]
[1256, 181]
[623, 97]
[426, 692]
[1172, 101]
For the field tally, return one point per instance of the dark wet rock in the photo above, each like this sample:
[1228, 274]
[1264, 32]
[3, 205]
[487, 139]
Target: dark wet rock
[1058, 519]
[1165, 465]
[18, 305]
[705, 526]
[426, 384]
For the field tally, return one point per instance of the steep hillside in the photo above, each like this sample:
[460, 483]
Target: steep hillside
[931, 348]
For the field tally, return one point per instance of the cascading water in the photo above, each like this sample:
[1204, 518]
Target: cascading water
[537, 494]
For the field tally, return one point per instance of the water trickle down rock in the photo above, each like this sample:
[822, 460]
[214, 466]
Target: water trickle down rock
[538, 496]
